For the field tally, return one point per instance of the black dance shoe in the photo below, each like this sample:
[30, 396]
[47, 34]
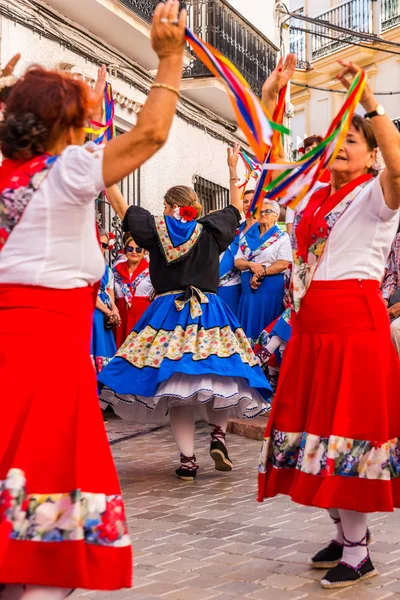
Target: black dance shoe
[328, 557]
[188, 469]
[219, 454]
[345, 575]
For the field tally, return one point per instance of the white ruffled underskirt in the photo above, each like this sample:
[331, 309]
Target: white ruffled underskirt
[231, 394]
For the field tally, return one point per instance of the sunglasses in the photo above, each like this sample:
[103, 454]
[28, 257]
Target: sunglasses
[104, 245]
[267, 211]
[138, 250]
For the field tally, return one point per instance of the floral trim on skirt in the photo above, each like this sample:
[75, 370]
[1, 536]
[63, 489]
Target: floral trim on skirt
[172, 355]
[332, 439]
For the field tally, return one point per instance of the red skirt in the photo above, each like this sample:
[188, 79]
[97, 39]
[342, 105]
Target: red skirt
[62, 519]
[332, 439]
[129, 316]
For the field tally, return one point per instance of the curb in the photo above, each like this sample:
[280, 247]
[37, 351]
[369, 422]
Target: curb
[252, 429]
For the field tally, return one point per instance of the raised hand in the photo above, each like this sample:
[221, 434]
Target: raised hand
[279, 77]
[368, 99]
[99, 91]
[10, 66]
[168, 29]
[233, 157]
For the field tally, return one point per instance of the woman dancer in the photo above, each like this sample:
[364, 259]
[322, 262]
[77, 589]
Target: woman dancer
[105, 317]
[328, 443]
[62, 521]
[133, 288]
[187, 356]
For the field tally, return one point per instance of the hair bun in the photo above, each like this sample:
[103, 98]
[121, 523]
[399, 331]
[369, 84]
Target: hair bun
[22, 135]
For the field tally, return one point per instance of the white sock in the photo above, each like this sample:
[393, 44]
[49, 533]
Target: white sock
[12, 592]
[36, 592]
[182, 425]
[273, 344]
[334, 515]
[354, 526]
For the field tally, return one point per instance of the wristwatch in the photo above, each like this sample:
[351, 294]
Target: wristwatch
[378, 112]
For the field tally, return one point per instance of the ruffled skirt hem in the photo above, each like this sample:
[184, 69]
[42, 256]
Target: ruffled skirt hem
[227, 394]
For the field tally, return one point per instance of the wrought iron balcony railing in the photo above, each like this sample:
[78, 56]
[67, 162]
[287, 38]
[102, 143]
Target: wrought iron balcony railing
[227, 30]
[218, 23]
[354, 15]
[143, 8]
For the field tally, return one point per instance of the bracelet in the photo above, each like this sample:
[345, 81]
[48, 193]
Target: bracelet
[234, 179]
[164, 86]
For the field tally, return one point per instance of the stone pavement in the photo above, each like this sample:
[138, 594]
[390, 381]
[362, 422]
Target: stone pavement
[211, 539]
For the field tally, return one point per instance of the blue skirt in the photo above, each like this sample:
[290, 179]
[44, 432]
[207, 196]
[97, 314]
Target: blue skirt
[102, 346]
[282, 327]
[172, 358]
[259, 308]
[230, 294]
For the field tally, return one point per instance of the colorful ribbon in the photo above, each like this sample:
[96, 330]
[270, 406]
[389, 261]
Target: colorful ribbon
[299, 178]
[107, 129]
[251, 114]
[266, 176]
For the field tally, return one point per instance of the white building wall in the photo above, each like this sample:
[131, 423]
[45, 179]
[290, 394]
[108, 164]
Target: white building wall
[189, 151]
[260, 13]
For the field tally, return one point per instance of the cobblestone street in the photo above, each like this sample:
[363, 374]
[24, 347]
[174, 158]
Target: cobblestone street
[211, 539]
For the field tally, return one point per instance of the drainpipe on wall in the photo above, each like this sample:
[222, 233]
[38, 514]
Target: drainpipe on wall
[376, 11]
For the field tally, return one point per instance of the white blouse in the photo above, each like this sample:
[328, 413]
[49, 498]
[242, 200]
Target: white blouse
[279, 250]
[55, 242]
[360, 241]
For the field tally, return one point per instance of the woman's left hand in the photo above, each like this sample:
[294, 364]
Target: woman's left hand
[368, 100]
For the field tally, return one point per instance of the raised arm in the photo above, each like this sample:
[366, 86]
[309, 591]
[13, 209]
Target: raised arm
[386, 134]
[117, 200]
[278, 79]
[130, 150]
[235, 194]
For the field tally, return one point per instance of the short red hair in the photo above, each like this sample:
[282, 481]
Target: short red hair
[41, 105]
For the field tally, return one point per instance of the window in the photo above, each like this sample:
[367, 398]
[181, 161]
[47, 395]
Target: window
[212, 196]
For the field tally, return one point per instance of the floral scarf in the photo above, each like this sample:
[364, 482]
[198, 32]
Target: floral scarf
[18, 182]
[311, 230]
[252, 250]
[128, 282]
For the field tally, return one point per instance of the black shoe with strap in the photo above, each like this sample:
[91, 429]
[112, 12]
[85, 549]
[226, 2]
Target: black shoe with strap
[346, 575]
[328, 557]
[218, 451]
[188, 469]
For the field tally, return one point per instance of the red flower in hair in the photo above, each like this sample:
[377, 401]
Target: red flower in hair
[189, 213]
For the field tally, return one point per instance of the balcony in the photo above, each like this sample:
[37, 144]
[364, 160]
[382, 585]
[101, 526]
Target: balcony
[219, 24]
[354, 15]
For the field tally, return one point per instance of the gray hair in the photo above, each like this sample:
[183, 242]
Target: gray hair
[274, 206]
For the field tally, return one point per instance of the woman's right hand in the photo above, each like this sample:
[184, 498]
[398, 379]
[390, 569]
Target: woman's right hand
[168, 29]
[279, 77]
[256, 269]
